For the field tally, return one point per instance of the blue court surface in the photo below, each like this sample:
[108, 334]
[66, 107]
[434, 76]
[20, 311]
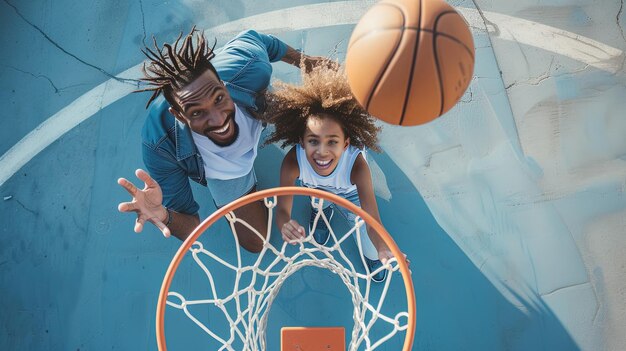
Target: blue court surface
[511, 207]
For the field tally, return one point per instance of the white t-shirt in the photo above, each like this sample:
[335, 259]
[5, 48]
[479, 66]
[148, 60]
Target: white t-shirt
[235, 160]
[338, 182]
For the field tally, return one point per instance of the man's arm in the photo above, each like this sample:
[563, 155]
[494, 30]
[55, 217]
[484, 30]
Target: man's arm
[296, 58]
[244, 64]
[278, 50]
[176, 191]
[181, 224]
[169, 187]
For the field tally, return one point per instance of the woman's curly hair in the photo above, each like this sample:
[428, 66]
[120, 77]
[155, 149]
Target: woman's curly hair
[323, 91]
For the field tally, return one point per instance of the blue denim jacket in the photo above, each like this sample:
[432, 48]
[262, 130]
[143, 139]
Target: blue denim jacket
[169, 152]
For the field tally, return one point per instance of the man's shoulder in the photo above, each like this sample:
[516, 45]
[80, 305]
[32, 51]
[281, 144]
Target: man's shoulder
[246, 35]
[159, 123]
[249, 36]
[239, 52]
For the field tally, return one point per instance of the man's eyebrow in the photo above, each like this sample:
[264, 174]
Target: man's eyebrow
[208, 90]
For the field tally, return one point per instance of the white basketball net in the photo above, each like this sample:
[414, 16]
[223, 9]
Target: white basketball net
[248, 326]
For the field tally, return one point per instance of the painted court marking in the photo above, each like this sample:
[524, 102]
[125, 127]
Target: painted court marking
[551, 39]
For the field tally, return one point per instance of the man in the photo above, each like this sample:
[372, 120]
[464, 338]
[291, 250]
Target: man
[202, 126]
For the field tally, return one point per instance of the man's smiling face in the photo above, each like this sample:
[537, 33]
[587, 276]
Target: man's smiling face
[206, 107]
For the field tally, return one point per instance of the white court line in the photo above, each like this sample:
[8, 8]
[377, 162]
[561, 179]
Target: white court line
[558, 41]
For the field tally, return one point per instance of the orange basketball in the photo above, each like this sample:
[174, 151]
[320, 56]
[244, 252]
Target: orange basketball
[410, 61]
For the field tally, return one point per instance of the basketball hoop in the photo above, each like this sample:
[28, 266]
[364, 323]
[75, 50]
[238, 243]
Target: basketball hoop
[248, 327]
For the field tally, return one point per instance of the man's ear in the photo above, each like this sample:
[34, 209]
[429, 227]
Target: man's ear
[177, 115]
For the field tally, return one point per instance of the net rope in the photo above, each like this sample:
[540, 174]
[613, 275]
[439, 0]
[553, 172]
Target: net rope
[249, 324]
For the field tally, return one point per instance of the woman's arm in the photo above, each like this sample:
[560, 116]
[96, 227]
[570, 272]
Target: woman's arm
[290, 229]
[362, 178]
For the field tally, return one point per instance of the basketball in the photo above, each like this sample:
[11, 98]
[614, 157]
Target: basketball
[410, 61]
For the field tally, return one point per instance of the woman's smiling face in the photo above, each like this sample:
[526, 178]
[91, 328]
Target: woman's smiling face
[324, 142]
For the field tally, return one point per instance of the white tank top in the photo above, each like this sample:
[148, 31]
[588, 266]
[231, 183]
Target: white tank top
[235, 160]
[338, 182]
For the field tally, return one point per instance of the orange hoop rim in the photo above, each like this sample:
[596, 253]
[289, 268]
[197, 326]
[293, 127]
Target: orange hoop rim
[282, 191]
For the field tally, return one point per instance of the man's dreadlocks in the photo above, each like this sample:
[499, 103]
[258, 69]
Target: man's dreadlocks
[172, 68]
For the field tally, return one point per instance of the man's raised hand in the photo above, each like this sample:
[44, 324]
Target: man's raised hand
[146, 203]
[310, 62]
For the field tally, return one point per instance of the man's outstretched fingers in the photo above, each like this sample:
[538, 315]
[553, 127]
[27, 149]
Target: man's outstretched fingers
[130, 187]
[139, 222]
[145, 177]
[164, 229]
[126, 207]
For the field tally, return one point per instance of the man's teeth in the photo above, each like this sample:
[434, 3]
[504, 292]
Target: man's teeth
[222, 130]
[322, 163]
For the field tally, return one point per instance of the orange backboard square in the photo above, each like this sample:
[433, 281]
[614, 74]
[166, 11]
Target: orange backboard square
[313, 339]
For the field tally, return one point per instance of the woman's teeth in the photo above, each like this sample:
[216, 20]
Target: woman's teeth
[322, 163]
